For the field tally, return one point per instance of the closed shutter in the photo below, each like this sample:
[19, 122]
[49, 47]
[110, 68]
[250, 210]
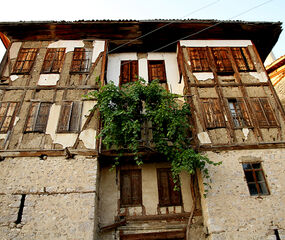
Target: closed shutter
[75, 117]
[242, 59]
[53, 60]
[6, 120]
[248, 59]
[174, 194]
[213, 113]
[25, 60]
[126, 188]
[129, 72]
[81, 60]
[198, 59]
[64, 117]
[42, 117]
[136, 187]
[222, 61]
[31, 117]
[244, 112]
[156, 70]
[268, 112]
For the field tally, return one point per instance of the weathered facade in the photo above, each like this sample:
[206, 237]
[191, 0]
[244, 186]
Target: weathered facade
[56, 181]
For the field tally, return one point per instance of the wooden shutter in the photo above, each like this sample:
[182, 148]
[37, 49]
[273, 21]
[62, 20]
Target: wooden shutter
[263, 111]
[31, 116]
[42, 117]
[25, 60]
[156, 70]
[242, 59]
[130, 188]
[7, 115]
[167, 195]
[81, 60]
[244, 112]
[222, 61]
[70, 114]
[129, 71]
[198, 59]
[53, 60]
[213, 113]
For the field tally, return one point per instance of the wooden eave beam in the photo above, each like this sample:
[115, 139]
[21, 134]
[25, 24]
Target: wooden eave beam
[5, 40]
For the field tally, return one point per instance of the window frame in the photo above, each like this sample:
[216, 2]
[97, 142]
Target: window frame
[55, 57]
[255, 182]
[170, 186]
[35, 116]
[150, 63]
[198, 56]
[222, 60]
[24, 54]
[132, 65]
[12, 119]
[71, 117]
[82, 60]
[241, 111]
[131, 173]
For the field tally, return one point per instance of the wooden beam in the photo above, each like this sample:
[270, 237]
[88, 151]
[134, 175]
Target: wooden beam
[5, 40]
[113, 226]
[154, 235]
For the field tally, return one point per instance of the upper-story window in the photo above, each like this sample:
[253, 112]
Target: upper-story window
[255, 179]
[53, 60]
[156, 70]
[130, 188]
[7, 115]
[81, 60]
[38, 117]
[25, 60]
[129, 71]
[167, 195]
[239, 113]
[222, 61]
[199, 59]
[264, 113]
[69, 119]
[213, 113]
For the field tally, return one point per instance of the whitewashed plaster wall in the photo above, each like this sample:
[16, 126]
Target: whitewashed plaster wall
[171, 68]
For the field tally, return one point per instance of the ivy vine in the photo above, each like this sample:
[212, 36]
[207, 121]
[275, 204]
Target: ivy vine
[125, 109]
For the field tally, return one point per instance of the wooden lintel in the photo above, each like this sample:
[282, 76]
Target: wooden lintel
[242, 147]
[154, 235]
[49, 153]
[113, 226]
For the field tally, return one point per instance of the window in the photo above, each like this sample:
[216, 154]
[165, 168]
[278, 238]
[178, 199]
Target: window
[239, 113]
[81, 60]
[198, 59]
[213, 114]
[53, 60]
[7, 115]
[25, 60]
[131, 188]
[264, 113]
[242, 59]
[69, 118]
[38, 117]
[223, 63]
[255, 179]
[156, 70]
[167, 195]
[129, 72]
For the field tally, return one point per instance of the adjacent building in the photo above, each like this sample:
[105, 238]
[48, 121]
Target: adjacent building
[56, 181]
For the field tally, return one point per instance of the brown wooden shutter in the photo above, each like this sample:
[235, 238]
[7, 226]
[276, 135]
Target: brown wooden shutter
[222, 61]
[126, 188]
[129, 71]
[64, 117]
[156, 70]
[31, 116]
[136, 187]
[175, 195]
[213, 113]
[245, 115]
[198, 59]
[78, 56]
[42, 117]
[248, 59]
[53, 60]
[75, 117]
[268, 112]
[238, 57]
[7, 120]
[25, 60]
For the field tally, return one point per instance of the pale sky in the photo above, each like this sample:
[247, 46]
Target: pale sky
[247, 10]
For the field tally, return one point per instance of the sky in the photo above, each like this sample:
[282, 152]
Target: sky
[57, 10]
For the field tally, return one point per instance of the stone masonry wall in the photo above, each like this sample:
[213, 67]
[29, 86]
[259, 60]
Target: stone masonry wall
[230, 212]
[60, 198]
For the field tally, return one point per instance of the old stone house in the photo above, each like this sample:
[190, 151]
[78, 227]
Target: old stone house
[56, 181]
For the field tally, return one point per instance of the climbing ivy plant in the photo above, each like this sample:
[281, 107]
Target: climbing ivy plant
[124, 110]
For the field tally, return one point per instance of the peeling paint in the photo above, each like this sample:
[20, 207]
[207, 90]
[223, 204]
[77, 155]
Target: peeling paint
[15, 47]
[48, 79]
[245, 132]
[88, 137]
[16, 121]
[68, 44]
[204, 137]
[215, 43]
[3, 135]
[202, 76]
[262, 77]
[14, 77]
[98, 47]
